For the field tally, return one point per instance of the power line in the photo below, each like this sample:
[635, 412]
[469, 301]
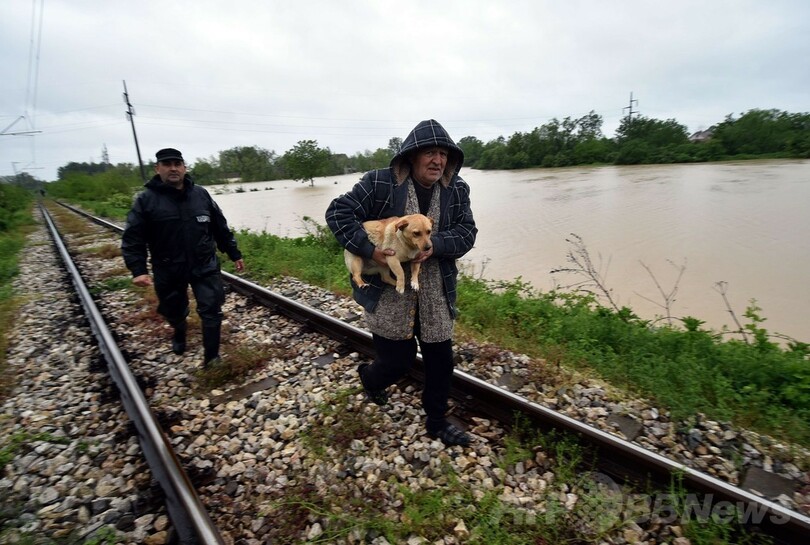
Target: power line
[33, 72]
[447, 121]
[29, 109]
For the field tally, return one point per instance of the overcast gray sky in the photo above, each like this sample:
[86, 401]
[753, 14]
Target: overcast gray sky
[205, 75]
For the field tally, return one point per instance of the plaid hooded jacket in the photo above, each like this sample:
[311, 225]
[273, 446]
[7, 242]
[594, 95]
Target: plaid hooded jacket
[382, 193]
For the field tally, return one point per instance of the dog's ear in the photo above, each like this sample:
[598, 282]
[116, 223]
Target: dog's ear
[401, 224]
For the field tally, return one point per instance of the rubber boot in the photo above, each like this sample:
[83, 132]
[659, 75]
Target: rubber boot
[210, 343]
[179, 337]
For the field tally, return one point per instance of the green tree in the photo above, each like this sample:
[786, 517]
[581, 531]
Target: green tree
[250, 163]
[394, 145]
[340, 163]
[593, 150]
[589, 127]
[647, 140]
[472, 148]
[633, 152]
[654, 132]
[554, 144]
[81, 168]
[206, 171]
[382, 157]
[765, 132]
[494, 155]
[306, 161]
[709, 151]
[517, 154]
[361, 161]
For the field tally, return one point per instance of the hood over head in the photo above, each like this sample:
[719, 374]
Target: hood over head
[427, 134]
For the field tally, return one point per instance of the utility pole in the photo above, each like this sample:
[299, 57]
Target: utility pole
[629, 108]
[130, 115]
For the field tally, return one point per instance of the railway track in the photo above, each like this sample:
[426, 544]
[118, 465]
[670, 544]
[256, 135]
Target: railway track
[620, 460]
[189, 517]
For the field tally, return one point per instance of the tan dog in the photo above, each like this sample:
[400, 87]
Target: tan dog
[406, 235]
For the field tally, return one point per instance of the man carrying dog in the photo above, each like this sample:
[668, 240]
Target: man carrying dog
[422, 179]
[182, 227]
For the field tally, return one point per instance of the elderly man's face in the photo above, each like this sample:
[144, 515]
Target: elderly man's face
[428, 165]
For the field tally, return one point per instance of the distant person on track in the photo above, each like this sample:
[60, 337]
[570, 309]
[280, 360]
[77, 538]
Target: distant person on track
[422, 179]
[182, 227]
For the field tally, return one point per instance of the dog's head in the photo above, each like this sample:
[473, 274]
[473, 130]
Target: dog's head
[415, 230]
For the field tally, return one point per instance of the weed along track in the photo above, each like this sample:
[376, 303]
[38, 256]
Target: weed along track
[280, 446]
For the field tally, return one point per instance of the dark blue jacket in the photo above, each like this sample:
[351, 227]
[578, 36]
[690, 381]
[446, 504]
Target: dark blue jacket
[181, 229]
[383, 193]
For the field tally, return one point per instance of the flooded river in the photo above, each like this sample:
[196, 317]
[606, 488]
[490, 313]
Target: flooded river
[744, 223]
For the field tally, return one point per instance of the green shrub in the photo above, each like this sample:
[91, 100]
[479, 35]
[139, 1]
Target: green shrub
[15, 203]
[315, 258]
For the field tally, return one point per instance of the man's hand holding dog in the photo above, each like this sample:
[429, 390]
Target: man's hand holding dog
[380, 256]
[422, 256]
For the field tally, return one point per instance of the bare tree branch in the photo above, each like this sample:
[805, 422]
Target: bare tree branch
[579, 256]
[669, 298]
[721, 287]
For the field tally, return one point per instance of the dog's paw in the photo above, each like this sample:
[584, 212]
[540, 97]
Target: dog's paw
[401, 289]
[415, 286]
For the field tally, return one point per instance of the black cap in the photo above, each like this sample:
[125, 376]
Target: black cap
[169, 154]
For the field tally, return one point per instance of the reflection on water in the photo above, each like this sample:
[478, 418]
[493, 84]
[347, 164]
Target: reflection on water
[744, 223]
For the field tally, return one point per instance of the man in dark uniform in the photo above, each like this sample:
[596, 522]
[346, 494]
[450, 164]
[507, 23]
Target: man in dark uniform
[182, 227]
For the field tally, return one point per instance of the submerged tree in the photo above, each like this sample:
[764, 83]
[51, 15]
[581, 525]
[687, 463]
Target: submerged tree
[306, 160]
[250, 163]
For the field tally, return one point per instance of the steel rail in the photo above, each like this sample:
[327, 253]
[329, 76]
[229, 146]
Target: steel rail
[623, 459]
[189, 517]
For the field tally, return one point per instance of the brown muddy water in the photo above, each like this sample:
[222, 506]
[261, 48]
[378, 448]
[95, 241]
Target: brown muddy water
[745, 223]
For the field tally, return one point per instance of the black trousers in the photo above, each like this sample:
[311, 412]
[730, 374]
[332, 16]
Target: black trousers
[172, 293]
[395, 358]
